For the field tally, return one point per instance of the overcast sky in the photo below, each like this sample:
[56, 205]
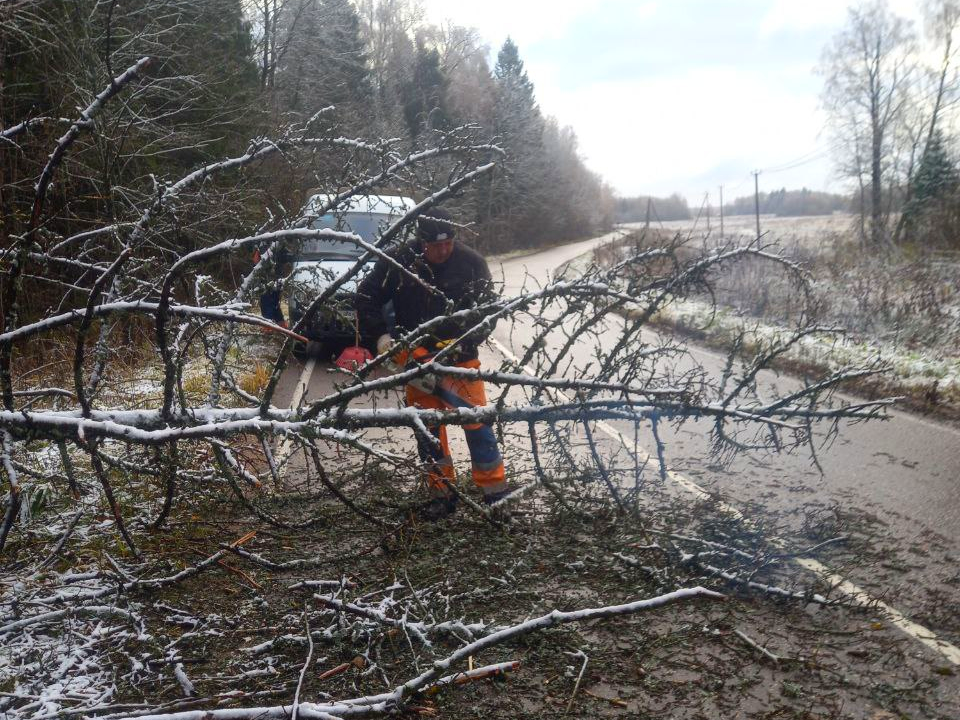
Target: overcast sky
[677, 95]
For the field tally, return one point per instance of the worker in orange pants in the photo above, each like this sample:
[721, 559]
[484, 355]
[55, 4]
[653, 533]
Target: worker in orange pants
[485, 458]
[437, 280]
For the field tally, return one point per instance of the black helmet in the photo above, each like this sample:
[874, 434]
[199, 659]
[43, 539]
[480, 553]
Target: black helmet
[435, 225]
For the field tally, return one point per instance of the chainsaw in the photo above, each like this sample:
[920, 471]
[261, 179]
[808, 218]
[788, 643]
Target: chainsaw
[408, 360]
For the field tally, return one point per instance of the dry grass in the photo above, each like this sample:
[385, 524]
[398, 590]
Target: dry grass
[255, 381]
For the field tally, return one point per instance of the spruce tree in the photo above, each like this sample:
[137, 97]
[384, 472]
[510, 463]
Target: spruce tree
[931, 214]
[517, 202]
[425, 94]
[937, 175]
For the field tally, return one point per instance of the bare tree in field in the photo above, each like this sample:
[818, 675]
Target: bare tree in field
[869, 70]
[926, 120]
[941, 21]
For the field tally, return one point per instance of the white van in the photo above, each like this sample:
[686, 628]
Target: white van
[318, 262]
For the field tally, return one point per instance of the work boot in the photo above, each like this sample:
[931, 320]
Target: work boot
[438, 508]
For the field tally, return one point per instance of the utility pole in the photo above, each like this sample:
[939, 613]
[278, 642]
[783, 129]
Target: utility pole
[756, 198]
[646, 224]
[721, 212]
[707, 201]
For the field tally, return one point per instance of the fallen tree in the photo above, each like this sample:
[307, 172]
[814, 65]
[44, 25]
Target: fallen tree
[73, 444]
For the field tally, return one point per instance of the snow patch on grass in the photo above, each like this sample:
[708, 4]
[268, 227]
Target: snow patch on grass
[913, 370]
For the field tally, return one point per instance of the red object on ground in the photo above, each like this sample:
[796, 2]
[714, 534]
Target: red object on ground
[353, 357]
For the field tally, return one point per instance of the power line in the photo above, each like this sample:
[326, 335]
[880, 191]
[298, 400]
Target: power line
[814, 154]
[800, 163]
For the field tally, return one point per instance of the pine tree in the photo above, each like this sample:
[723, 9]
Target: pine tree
[937, 175]
[931, 214]
[325, 63]
[513, 79]
[517, 204]
[425, 94]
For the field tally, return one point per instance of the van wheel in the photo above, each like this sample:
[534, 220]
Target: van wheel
[302, 351]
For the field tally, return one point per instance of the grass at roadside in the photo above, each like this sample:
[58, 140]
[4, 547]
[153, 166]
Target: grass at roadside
[900, 309]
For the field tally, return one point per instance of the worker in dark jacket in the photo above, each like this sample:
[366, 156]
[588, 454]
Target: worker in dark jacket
[454, 278]
[279, 268]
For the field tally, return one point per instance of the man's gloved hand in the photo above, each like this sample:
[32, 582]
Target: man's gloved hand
[384, 342]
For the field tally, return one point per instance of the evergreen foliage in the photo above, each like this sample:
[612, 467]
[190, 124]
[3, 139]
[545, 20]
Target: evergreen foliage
[517, 201]
[425, 94]
[932, 214]
[936, 178]
[228, 71]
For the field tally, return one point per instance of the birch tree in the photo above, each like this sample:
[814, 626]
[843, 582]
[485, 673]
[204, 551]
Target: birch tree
[869, 70]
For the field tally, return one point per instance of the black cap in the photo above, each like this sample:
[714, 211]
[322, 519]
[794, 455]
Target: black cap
[435, 225]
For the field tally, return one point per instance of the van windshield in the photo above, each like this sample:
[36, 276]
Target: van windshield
[368, 226]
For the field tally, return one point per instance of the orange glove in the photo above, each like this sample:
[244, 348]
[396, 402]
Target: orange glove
[419, 354]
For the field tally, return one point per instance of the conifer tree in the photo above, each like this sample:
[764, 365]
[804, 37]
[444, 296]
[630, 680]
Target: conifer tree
[933, 207]
[425, 94]
[516, 204]
[937, 175]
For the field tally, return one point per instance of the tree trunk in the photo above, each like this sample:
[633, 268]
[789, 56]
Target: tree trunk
[266, 45]
[876, 180]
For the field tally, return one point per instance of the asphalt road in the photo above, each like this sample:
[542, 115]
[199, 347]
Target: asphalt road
[894, 481]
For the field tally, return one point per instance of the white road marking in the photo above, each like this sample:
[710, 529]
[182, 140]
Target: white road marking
[858, 595]
[283, 452]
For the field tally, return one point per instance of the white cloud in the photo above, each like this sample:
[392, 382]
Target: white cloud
[668, 129]
[526, 21]
[793, 15]
[671, 133]
[810, 14]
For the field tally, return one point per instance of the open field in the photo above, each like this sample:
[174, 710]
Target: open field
[814, 232]
[901, 307]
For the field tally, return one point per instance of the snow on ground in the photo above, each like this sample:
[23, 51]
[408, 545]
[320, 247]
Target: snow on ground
[48, 669]
[926, 369]
[912, 370]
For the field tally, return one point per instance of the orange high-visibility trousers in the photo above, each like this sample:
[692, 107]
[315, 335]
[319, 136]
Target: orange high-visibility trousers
[485, 457]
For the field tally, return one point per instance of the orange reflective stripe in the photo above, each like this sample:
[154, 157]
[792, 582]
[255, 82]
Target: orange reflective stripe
[491, 477]
[485, 478]
[495, 488]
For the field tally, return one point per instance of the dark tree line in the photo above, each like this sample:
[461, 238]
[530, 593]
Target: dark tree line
[644, 208]
[224, 72]
[790, 203]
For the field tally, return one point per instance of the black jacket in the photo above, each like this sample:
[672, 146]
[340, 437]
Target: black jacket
[463, 281]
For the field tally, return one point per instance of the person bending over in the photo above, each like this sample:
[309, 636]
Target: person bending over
[463, 280]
